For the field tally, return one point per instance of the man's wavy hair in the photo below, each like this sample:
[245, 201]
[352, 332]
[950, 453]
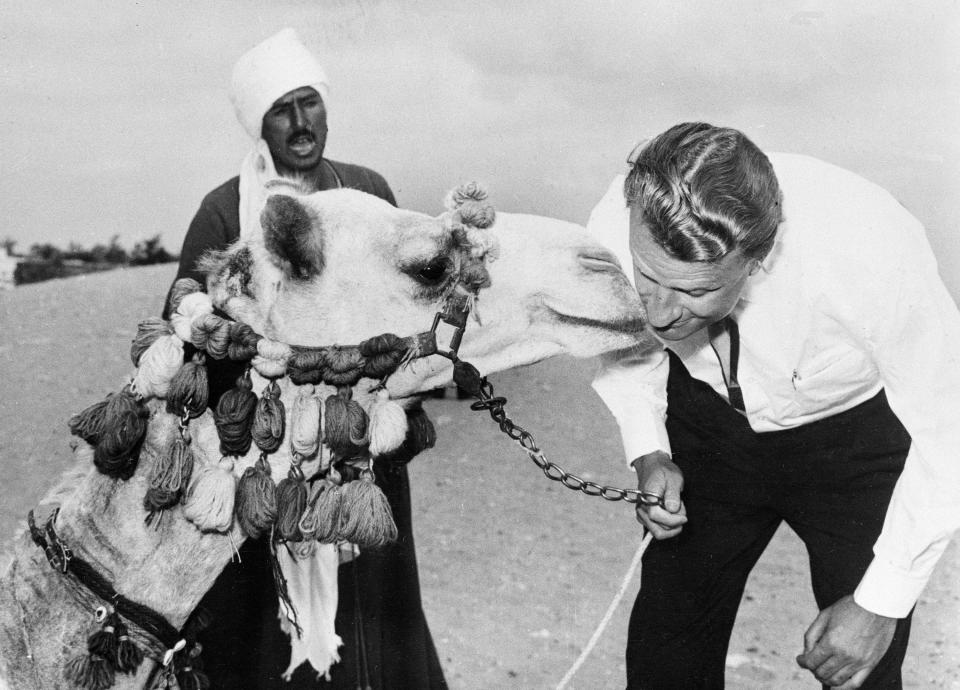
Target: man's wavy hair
[705, 191]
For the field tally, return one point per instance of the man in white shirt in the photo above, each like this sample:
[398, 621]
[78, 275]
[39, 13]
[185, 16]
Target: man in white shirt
[810, 376]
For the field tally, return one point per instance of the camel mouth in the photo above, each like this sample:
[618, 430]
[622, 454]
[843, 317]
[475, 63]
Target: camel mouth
[630, 325]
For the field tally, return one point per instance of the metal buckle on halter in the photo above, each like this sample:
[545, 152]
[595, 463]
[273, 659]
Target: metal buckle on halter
[456, 318]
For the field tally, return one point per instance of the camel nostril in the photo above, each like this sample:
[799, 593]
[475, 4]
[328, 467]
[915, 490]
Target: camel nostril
[598, 259]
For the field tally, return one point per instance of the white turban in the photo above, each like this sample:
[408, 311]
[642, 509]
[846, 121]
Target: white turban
[269, 70]
[263, 74]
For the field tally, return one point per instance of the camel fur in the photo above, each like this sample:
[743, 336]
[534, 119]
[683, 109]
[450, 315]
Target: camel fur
[334, 267]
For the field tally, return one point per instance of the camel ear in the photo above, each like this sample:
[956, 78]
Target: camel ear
[293, 236]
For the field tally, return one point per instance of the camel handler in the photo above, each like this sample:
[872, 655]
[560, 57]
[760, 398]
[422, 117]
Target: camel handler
[280, 94]
[809, 374]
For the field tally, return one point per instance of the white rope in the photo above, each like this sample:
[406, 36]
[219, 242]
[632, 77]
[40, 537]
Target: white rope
[609, 614]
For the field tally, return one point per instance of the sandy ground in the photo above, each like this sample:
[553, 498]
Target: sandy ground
[517, 571]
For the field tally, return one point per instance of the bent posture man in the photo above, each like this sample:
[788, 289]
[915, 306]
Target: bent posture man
[279, 93]
[810, 375]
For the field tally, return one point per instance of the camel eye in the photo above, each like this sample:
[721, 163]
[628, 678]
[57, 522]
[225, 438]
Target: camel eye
[433, 272]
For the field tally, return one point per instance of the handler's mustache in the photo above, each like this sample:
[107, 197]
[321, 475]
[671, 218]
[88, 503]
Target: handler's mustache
[301, 133]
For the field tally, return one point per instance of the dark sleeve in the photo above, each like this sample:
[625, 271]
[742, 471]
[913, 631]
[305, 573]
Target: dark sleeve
[206, 231]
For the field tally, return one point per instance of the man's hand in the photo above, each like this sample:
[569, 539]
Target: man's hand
[845, 643]
[659, 477]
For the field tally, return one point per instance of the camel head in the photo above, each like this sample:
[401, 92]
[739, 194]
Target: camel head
[339, 266]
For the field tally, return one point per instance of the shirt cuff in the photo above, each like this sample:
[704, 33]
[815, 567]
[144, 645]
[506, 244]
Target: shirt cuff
[888, 591]
[636, 445]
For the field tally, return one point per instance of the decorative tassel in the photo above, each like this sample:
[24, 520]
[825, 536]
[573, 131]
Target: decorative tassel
[209, 501]
[170, 474]
[88, 424]
[291, 503]
[148, 331]
[192, 678]
[345, 423]
[388, 424]
[268, 419]
[365, 515]
[321, 520]
[121, 434]
[129, 655]
[158, 365]
[189, 388]
[256, 504]
[305, 423]
[422, 434]
[234, 417]
[104, 641]
[90, 671]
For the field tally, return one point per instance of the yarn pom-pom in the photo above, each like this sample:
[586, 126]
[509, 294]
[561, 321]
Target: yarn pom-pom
[268, 419]
[456, 197]
[211, 334]
[209, 501]
[148, 331]
[365, 515]
[256, 505]
[234, 417]
[344, 366]
[383, 354]
[191, 307]
[272, 357]
[305, 423]
[243, 342]
[124, 428]
[180, 289]
[90, 671]
[476, 214]
[189, 389]
[307, 366]
[158, 365]
[291, 503]
[388, 424]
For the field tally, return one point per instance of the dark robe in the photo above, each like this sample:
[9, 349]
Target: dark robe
[244, 646]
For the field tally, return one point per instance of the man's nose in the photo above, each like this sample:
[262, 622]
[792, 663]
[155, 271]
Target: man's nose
[663, 307]
[299, 116]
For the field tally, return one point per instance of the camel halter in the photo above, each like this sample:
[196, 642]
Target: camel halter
[211, 494]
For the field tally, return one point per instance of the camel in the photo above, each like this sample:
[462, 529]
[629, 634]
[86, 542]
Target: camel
[332, 267]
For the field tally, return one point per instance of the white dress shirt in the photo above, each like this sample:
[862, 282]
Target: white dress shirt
[848, 302]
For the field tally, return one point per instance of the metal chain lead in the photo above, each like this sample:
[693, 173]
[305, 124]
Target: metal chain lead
[480, 387]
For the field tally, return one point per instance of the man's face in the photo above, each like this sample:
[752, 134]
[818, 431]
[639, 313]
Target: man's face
[295, 129]
[682, 297]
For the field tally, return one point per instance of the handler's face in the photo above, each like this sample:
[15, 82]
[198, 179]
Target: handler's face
[682, 297]
[295, 129]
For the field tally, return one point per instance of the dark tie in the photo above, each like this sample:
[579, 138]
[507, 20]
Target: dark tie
[725, 340]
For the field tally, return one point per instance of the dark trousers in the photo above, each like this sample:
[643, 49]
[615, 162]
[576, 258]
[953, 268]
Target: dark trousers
[830, 481]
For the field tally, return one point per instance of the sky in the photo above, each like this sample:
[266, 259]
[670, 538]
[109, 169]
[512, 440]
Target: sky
[116, 120]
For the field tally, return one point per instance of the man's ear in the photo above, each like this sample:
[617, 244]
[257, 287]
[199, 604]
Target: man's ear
[293, 236]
